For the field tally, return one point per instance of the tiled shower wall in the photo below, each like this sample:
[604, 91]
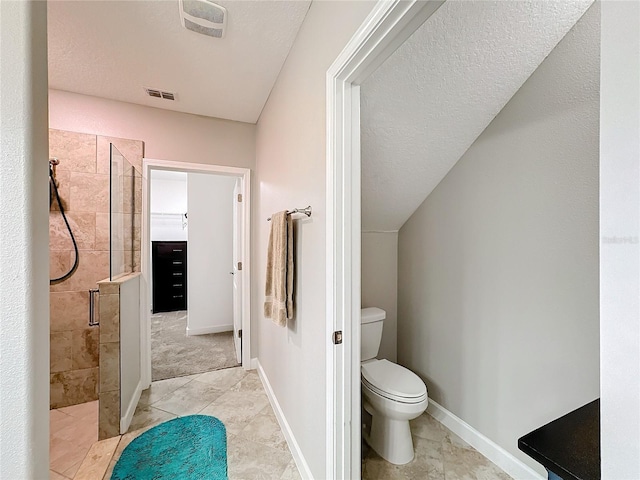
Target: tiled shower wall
[119, 345]
[83, 178]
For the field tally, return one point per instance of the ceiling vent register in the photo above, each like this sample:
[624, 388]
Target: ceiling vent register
[202, 16]
[154, 92]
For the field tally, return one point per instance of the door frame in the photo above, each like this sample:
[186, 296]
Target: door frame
[388, 26]
[245, 231]
[238, 215]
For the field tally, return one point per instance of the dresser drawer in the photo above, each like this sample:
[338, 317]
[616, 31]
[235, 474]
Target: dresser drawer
[173, 250]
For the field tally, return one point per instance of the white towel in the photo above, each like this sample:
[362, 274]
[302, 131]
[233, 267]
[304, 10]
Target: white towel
[278, 304]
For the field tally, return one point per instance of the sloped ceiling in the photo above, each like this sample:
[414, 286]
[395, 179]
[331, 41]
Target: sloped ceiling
[112, 49]
[425, 106]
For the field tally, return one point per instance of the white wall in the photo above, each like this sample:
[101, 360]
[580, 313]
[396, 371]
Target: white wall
[498, 269]
[167, 135]
[290, 172]
[210, 253]
[380, 284]
[24, 238]
[619, 230]
[168, 195]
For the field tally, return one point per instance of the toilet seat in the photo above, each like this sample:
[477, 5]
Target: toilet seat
[393, 381]
[392, 398]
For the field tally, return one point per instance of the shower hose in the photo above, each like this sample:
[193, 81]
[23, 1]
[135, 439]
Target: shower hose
[52, 183]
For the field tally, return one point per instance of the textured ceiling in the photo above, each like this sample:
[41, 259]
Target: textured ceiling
[425, 106]
[111, 49]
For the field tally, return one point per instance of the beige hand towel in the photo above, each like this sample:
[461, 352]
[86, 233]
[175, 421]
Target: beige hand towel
[278, 305]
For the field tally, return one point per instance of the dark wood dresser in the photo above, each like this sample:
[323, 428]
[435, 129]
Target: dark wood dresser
[169, 265]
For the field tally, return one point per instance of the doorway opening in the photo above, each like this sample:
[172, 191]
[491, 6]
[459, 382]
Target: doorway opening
[195, 269]
[386, 28]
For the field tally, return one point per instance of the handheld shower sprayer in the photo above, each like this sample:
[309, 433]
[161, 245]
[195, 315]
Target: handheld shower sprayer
[53, 163]
[55, 195]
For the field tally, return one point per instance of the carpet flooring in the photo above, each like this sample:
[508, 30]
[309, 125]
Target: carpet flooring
[174, 354]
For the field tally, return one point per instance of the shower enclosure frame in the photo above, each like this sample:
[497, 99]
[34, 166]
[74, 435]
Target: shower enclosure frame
[145, 295]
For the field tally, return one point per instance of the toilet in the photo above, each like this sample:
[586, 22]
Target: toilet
[391, 394]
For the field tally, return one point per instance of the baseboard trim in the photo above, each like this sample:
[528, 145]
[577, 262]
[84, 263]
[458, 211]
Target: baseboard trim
[254, 364]
[494, 452]
[125, 421]
[207, 330]
[298, 457]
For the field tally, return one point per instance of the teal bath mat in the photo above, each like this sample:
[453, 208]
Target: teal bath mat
[186, 448]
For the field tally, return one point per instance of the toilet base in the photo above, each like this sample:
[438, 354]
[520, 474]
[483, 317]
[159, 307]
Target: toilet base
[391, 439]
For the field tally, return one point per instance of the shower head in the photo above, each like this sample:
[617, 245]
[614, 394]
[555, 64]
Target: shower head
[53, 163]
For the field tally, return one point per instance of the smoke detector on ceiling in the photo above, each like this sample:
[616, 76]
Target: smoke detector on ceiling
[203, 16]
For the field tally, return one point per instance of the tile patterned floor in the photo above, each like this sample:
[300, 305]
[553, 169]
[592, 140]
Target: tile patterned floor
[439, 455]
[72, 432]
[256, 447]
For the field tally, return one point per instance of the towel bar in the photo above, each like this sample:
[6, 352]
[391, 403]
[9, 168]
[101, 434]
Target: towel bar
[306, 211]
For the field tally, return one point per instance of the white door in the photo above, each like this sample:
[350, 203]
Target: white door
[237, 269]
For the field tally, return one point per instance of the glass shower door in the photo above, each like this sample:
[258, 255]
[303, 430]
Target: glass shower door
[124, 218]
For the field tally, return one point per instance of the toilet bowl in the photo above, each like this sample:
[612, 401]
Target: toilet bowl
[391, 394]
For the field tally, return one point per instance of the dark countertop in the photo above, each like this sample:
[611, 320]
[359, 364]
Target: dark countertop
[568, 446]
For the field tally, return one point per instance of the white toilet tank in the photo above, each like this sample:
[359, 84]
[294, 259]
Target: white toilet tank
[371, 322]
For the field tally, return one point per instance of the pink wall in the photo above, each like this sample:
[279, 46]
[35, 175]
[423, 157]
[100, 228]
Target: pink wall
[167, 135]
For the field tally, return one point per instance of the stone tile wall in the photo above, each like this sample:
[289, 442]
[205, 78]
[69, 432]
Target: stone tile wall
[111, 379]
[83, 177]
[109, 411]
